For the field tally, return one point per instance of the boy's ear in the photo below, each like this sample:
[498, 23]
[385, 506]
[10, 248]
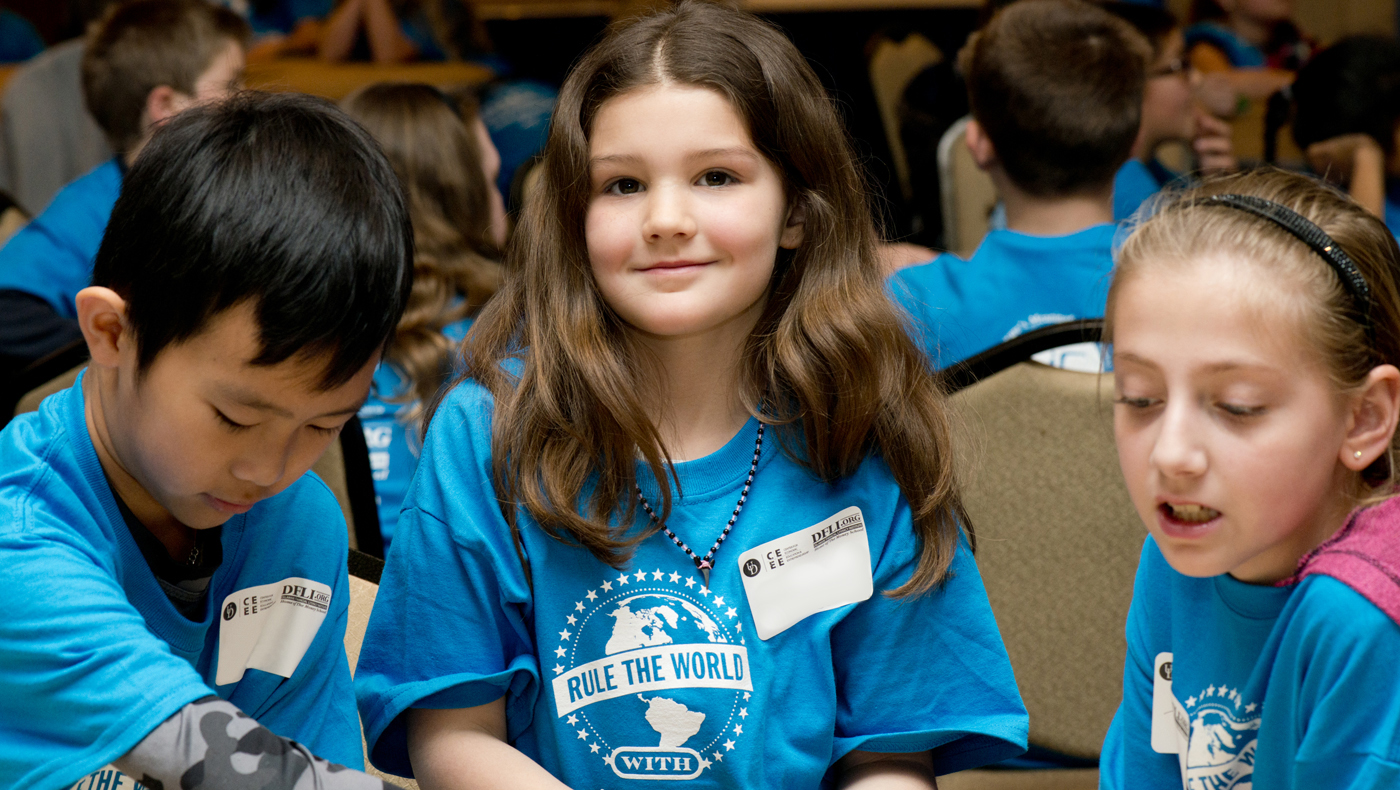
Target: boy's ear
[162, 104]
[792, 227]
[983, 152]
[1375, 410]
[102, 318]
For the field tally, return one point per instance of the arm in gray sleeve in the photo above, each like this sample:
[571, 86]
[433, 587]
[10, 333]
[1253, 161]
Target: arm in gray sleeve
[211, 745]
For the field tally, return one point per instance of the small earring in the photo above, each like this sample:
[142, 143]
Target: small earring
[1356, 455]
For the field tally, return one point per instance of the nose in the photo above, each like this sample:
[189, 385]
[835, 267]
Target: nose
[1178, 450]
[262, 465]
[668, 213]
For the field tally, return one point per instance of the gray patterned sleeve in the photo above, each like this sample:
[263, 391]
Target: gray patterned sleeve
[211, 745]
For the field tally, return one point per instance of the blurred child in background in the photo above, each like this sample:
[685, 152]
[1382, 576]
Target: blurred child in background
[1056, 89]
[442, 154]
[144, 62]
[1347, 120]
[1254, 44]
[1170, 113]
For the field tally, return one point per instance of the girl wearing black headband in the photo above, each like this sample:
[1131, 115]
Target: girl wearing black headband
[1255, 326]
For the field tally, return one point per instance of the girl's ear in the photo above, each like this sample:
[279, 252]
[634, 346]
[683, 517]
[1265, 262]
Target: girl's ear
[1374, 413]
[792, 227]
[102, 317]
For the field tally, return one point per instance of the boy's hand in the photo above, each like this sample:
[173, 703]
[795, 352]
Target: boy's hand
[1356, 160]
[1215, 150]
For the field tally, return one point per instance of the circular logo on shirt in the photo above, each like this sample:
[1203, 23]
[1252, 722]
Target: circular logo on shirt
[230, 611]
[1166, 671]
[752, 567]
[652, 676]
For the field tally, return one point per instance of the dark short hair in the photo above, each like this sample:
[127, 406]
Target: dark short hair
[1352, 87]
[278, 200]
[1057, 85]
[138, 46]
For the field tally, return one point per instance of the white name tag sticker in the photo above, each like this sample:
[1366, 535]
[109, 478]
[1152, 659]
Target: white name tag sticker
[1171, 727]
[269, 627]
[816, 569]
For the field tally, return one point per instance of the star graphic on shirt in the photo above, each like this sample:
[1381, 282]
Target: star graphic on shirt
[739, 626]
[656, 575]
[641, 576]
[675, 577]
[731, 614]
[1250, 707]
[1190, 702]
[719, 600]
[729, 746]
[558, 669]
[1210, 692]
[578, 606]
[608, 759]
[622, 580]
[564, 634]
[593, 747]
[746, 696]
[705, 763]
[583, 735]
[607, 586]
[719, 757]
[704, 590]
[743, 713]
[572, 720]
[738, 729]
[689, 582]
[571, 620]
[559, 652]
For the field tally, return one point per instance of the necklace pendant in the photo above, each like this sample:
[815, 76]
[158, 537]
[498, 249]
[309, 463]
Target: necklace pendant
[705, 574]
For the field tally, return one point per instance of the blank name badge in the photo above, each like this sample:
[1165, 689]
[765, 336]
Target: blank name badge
[269, 627]
[822, 567]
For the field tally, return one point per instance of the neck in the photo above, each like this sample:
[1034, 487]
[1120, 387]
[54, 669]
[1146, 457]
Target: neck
[1144, 146]
[1052, 216]
[99, 393]
[1251, 30]
[696, 406]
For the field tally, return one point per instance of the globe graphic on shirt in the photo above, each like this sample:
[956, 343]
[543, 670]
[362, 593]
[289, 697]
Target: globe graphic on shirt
[651, 620]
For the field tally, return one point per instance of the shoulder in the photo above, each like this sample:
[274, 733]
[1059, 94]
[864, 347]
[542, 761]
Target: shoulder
[1330, 615]
[306, 515]
[916, 287]
[37, 472]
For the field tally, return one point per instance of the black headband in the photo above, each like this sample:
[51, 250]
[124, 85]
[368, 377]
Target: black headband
[1311, 235]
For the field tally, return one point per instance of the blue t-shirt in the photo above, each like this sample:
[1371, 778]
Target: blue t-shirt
[19, 40]
[1013, 283]
[285, 15]
[393, 444]
[93, 655]
[611, 676]
[52, 256]
[1135, 184]
[1392, 207]
[1285, 688]
[1241, 53]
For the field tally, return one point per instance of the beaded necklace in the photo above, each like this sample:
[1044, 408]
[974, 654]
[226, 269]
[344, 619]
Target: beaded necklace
[704, 564]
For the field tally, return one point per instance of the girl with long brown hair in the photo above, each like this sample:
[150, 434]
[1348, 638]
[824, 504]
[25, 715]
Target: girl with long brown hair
[441, 152]
[688, 514]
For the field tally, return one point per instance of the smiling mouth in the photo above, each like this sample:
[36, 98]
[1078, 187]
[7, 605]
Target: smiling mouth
[1189, 514]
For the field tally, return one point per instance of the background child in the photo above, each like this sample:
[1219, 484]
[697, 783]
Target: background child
[694, 291]
[1253, 44]
[1346, 108]
[445, 159]
[1056, 90]
[1170, 114]
[1257, 399]
[169, 571]
[144, 62]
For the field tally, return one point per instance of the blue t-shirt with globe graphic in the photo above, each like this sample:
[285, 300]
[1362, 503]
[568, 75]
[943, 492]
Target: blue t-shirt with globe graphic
[613, 676]
[1231, 686]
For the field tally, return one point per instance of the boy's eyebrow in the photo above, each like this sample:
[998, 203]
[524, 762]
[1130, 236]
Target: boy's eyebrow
[253, 401]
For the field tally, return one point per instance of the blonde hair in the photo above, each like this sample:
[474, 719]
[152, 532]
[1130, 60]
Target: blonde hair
[1181, 229]
[428, 138]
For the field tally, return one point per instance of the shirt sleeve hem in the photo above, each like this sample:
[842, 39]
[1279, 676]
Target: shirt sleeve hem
[952, 750]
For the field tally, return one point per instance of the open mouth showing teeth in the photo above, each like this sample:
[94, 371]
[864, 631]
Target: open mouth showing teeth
[1192, 514]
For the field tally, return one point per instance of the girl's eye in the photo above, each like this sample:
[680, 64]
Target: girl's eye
[624, 186]
[332, 431]
[716, 178]
[230, 424]
[1134, 403]
[1237, 410]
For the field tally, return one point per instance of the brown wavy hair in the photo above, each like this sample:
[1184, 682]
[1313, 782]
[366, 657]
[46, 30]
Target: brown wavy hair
[1182, 230]
[430, 140]
[829, 358]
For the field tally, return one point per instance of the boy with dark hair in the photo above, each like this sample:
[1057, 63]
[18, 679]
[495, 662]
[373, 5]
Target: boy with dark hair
[144, 62]
[1055, 88]
[174, 582]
